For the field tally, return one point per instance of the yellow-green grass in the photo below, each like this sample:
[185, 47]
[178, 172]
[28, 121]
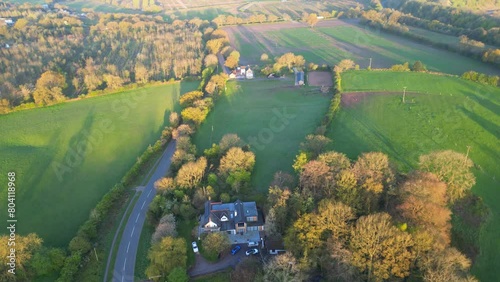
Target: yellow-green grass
[447, 113]
[68, 156]
[254, 110]
[334, 40]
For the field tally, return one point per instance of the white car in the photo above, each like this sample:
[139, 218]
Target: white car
[252, 252]
[195, 247]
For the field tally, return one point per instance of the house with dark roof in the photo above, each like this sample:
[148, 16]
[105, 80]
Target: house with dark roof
[234, 218]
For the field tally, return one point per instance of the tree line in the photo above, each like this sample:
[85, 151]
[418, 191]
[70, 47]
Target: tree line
[397, 22]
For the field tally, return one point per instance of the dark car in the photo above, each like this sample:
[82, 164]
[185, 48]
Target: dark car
[235, 250]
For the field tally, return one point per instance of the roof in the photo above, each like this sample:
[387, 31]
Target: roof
[226, 215]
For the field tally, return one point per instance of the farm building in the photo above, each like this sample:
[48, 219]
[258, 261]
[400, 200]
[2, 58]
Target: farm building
[242, 72]
[299, 77]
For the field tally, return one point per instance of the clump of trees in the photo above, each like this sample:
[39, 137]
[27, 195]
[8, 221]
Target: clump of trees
[481, 78]
[362, 220]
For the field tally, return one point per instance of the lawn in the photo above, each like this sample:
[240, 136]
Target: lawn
[255, 110]
[446, 113]
[66, 157]
[333, 40]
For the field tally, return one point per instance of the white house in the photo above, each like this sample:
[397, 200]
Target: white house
[249, 73]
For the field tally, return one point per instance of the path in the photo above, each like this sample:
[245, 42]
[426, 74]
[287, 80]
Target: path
[222, 64]
[125, 259]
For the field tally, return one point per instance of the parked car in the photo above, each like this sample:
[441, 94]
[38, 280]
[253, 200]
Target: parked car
[251, 252]
[235, 250]
[253, 244]
[276, 252]
[195, 247]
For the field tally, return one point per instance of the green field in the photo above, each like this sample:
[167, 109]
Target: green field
[447, 113]
[252, 109]
[68, 156]
[334, 40]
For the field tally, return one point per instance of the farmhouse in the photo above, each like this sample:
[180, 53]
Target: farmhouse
[242, 72]
[234, 218]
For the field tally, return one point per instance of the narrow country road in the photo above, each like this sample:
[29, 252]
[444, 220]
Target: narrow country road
[125, 258]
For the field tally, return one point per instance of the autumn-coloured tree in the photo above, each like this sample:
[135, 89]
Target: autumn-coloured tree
[300, 161]
[49, 88]
[166, 227]
[215, 243]
[347, 190]
[311, 19]
[374, 174]
[233, 60]
[315, 144]
[336, 161]
[235, 160]
[289, 60]
[229, 141]
[194, 114]
[336, 218]
[423, 203]
[166, 255]
[25, 247]
[446, 265]
[379, 249]
[343, 65]
[191, 173]
[188, 99]
[317, 179]
[283, 268]
[174, 119]
[183, 130]
[453, 169]
[165, 185]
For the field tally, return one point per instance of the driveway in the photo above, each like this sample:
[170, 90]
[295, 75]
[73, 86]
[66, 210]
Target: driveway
[203, 267]
[125, 259]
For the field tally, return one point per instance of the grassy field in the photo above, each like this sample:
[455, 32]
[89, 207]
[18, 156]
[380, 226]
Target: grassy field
[447, 113]
[254, 110]
[68, 156]
[334, 40]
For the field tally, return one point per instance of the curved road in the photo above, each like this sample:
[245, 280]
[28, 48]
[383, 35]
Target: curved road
[125, 258]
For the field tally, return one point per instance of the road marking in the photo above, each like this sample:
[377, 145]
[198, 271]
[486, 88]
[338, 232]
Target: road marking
[124, 263]
[128, 246]
[123, 277]
[137, 218]
[143, 205]
[132, 233]
[150, 192]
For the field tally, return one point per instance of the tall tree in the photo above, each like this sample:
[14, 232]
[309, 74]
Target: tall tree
[315, 144]
[374, 174]
[379, 249]
[452, 168]
[215, 243]
[283, 268]
[233, 60]
[165, 256]
[423, 203]
[191, 173]
[25, 247]
[317, 179]
[49, 88]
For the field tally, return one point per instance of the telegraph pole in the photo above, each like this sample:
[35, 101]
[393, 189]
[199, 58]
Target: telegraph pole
[404, 94]
[370, 67]
[467, 154]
